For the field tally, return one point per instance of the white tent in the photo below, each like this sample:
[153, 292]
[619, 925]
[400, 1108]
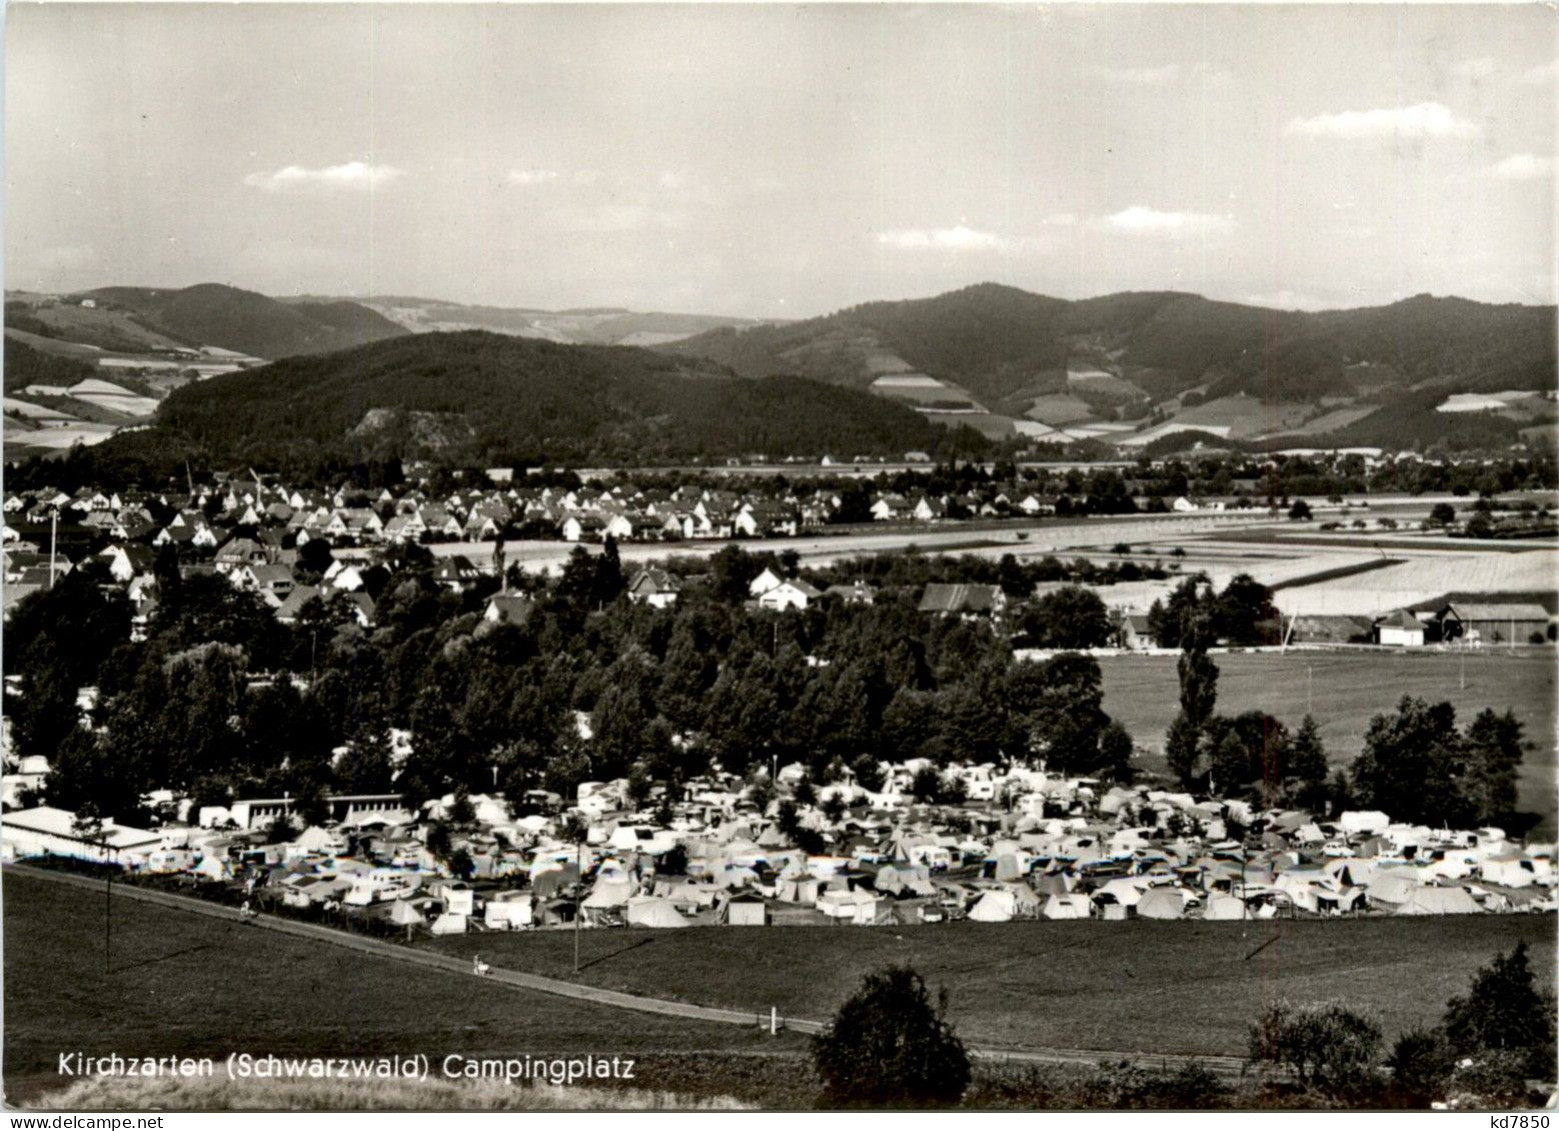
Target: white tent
[994, 907]
[1438, 901]
[403, 914]
[1161, 903]
[1074, 905]
[1392, 888]
[607, 894]
[651, 911]
[1124, 891]
[1224, 907]
[449, 924]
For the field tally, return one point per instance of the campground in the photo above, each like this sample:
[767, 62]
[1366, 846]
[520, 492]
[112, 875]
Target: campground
[1183, 987]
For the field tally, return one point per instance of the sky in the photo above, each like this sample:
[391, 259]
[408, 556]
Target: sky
[783, 161]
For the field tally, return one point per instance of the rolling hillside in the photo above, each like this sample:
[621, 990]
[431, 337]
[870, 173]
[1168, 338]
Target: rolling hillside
[482, 397]
[211, 314]
[1133, 357]
[605, 326]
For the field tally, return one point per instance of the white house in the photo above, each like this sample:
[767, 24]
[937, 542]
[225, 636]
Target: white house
[789, 595]
[765, 581]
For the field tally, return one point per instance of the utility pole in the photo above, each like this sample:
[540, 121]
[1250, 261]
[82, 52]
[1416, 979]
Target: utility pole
[54, 529]
[579, 887]
[108, 922]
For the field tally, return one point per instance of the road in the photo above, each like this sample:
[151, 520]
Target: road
[1226, 1066]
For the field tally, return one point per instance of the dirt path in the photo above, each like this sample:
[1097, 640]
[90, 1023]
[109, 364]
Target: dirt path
[1221, 1065]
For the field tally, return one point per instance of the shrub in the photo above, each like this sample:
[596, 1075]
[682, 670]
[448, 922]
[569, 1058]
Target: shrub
[1328, 1046]
[1421, 1065]
[888, 1046]
[1503, 1011]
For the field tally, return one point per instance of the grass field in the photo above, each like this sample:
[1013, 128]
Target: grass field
[1172, 987]
[188, 985]
[1346, 690]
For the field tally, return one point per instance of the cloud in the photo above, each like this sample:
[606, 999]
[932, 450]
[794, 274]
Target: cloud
[532, 176]
[1543, 73]
[1423, 120]
[1521, 167]
[617, 217]
[354, 176]
[1138, 76]
[1139, 220]
[959, 239]
[1480, 68]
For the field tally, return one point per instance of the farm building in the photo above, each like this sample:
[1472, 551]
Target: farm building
[1514, 623]
[1136, 632]
[1400, 629]
[963, 600]
[49, 831]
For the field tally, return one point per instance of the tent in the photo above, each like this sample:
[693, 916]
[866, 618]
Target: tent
[403, 914]
[449, 924]
[651, 911]
[1161, 903]
[316, 839]
[1438, 901]
[1025, 902]
[1122, 891]
[994, 907]
[1224, 907]
[608, 894]
[1053, 883]
[1074, 906]
[1392, 888]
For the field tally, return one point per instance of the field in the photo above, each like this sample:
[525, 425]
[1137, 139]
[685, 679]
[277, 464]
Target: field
[1344, 690]
[1170, 987]
[190, 985]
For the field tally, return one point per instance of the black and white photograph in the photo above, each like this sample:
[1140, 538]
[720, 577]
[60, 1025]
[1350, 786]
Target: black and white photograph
[658, 558]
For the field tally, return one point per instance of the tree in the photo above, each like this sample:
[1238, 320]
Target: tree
[1504, 1011]
[1418, 767]
[1307, 765]
[1300, 511]
[889, 1046]
[1442, 514]
[1328, 1046]
[1069, 617]
[1115, 749]
[1181, 749]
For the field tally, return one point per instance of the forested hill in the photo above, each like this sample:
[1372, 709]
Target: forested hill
[212, 314]
[1007, 346]
[477, 397]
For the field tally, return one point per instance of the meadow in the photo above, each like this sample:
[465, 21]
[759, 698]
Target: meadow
[1185, 987]
[1344, 690]
[188, 985]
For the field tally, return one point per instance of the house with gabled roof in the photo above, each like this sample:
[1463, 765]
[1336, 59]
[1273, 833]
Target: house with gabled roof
[963, 600]
[654, 587]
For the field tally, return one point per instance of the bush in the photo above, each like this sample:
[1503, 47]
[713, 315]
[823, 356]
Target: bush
[1504, 1012]
[888, 1046]
[1421, 1063]
[1328, 1046]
